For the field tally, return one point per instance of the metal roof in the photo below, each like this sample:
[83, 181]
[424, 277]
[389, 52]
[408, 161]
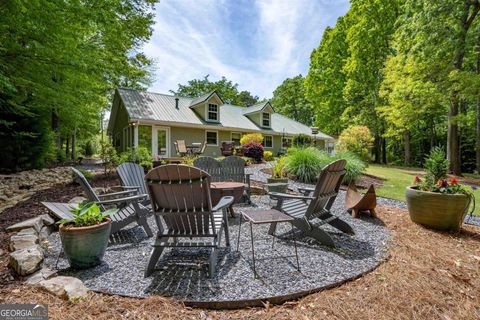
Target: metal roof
[161, 107]
[256, 108]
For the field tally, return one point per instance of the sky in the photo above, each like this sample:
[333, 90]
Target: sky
[256, 43]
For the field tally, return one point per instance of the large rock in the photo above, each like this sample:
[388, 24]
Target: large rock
[28, 231]
[35, 223]
[45, 232]
[65, 287]
[77, 200]
[47, 219]
[22, 241]
[26, 261]
[42, 274]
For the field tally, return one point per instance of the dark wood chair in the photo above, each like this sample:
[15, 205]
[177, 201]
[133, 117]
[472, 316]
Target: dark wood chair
[311, 209]
[181, 148]
[201, 150]
[357, 202]
[227, 148]
[181, 203]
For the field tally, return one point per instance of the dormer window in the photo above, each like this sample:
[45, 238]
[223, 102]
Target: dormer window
[266, 119]
[212, 113]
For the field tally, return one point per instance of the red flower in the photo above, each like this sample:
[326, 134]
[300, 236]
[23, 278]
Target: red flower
[442, 183]
[453, 181]
[417, 180]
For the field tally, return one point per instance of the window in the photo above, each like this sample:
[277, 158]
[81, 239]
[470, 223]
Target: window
[286, 142]
[267, 141]
[235, 137]
[266, 119]
[212, 112]
[211, 137]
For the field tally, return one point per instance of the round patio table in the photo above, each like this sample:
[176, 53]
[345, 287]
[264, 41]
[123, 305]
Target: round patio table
[226, 188]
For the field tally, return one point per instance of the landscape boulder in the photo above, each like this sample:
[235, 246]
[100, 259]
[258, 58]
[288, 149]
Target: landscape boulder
[22, 241]
[35, 223]
[26, 261]
[68, 288]
[40, 275]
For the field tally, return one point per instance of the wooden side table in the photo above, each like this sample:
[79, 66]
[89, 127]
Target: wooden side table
[265, 217]
[226, 188]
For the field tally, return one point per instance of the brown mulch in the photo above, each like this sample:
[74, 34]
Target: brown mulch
[430, 275]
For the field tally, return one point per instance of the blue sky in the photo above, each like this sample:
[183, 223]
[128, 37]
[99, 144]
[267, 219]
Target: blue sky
[256, 44]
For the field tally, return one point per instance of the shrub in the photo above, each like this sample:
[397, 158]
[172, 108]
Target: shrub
[251, 138]
[302, 140]
[436, 165]
[109, 156]
[253, 150]
[268, 155]
[278, 168]
[356, 139]
[304, 163]
[89, 148]
[136, 155]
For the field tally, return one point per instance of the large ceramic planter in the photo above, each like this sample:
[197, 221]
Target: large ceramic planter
[437, 210]
[277, 185]
[85, 246]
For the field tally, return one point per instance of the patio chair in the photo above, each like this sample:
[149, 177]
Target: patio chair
[181, 147]
[227, 148]
[201, 150]
[311, 209]
[183, 212]
[132, 176]
[231, 168]
[129, 207]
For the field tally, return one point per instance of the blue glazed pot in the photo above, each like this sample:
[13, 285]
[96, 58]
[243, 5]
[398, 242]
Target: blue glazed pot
[84, 247]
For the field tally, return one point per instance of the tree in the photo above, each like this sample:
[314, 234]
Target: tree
[225, 88]
[289, 99]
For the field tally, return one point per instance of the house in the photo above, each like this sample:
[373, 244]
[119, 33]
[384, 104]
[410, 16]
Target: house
[157, 120]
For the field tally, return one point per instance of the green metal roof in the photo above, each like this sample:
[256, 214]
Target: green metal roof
[161, 108]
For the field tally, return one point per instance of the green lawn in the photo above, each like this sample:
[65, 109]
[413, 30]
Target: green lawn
[396, 179]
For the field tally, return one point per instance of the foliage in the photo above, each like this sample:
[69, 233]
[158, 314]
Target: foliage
[278, 168]
[89, 148]
[302, 140]
[109, 156]
[226, 89]
[136, 155]
[436, 165]
[268, 155]
[60, 62]
[251, 138]
[86, 173]
[253, 150]
[88, 214]
[306, 163]
[289, 99]
[356, 139]
[188, 160]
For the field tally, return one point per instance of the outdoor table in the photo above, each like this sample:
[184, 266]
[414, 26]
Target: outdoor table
[265, 217]
[195, 145]
[226, 188]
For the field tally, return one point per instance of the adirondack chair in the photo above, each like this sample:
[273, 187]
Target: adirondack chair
[130, 207]
[357, 202]
[201, 150]
[231, 168]
[315, 203]
[227, 148]
[132, 176]
[181, 147]
[183, 212]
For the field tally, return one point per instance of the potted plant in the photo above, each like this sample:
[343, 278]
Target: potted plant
[85, 236]
[278, 182]
[436, 202]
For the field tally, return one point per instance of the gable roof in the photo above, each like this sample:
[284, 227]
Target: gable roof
[204, 98]
[161, 108]
[257, 108]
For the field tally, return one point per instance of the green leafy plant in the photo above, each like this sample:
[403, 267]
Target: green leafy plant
[136, 155]
[278, 169]
[88, 214]
[302, 140]
[89, 148]
[109, 156]
[251, 138]
[356, 139]
[304, 163]
[268, 155]
[436, 165]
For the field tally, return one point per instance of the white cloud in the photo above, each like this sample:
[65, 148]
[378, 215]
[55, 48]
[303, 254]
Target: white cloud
[256, 44]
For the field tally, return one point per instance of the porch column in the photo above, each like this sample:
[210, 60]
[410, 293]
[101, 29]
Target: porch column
[135, 136]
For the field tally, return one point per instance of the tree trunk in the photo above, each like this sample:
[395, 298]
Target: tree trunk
[384, 150]
[55, 128]
[74, 142]
[407, 148]
[67, 147]
[477, 140]
[377, 145]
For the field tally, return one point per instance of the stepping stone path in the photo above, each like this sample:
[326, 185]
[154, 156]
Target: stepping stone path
[27, 256]
[68, 288]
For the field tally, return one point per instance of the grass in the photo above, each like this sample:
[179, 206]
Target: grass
[396, 179]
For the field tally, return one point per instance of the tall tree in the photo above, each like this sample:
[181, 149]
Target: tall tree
[289, 99]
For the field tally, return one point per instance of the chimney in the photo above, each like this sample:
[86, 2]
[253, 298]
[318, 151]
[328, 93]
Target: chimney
[176, 102]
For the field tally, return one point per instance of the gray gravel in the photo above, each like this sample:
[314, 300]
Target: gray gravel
[182, 273]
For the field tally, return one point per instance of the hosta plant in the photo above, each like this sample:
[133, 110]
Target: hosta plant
[88, 214]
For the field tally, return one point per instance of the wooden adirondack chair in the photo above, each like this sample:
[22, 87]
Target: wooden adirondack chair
[201, 150]
[227, 148]
[315, 203]
[181, 147]
[132, 175]
[183, 210]
[357, 202]
[130, 207]
[231, 168]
